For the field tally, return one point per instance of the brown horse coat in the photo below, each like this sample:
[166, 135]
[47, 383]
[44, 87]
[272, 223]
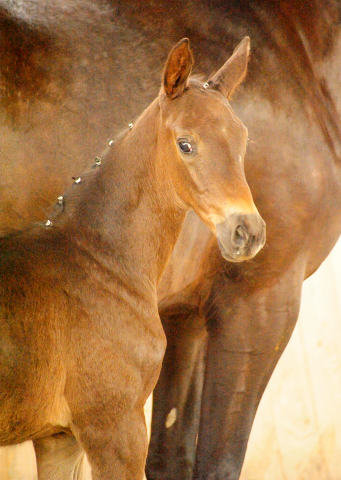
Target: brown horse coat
[69, 80]
[81, 338]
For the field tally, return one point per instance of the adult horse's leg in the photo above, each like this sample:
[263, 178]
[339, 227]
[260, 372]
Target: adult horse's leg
[59, 457]
[247, 333]
[246, 337]
[176, 398]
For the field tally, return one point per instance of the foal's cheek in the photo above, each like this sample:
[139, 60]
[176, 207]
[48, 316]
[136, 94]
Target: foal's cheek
[183, 184]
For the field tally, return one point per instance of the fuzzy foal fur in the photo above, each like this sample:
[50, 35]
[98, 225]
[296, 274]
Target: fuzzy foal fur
[81, 338]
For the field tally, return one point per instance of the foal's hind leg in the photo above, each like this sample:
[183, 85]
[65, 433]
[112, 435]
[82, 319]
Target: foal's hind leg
[59, 457]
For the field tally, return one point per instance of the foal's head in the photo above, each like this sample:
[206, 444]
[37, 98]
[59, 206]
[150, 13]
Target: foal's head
[205, 145]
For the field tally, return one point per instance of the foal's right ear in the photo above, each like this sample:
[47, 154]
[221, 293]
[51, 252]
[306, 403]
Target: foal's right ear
[178, 68]
[232, 73]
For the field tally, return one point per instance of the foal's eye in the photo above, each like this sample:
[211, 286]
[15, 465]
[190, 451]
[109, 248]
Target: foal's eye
[185, 147]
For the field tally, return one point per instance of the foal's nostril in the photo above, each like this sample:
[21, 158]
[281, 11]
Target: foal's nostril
[240, 236]
[239, 231]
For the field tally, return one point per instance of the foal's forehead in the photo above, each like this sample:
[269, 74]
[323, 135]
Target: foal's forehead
[200, 107]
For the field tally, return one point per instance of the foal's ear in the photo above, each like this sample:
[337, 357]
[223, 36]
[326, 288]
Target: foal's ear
[232, 73]
[178, 68]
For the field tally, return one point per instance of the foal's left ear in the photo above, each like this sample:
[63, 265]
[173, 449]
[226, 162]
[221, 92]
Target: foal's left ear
[232, 73]
[178, 68]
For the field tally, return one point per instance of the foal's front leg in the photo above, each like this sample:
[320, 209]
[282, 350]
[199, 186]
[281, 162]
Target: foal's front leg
[106, 397]
[118, 450]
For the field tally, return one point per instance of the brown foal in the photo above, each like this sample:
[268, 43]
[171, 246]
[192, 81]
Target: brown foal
[81, 339]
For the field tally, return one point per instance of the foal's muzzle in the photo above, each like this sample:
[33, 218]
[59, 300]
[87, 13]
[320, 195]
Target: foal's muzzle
[240, 237]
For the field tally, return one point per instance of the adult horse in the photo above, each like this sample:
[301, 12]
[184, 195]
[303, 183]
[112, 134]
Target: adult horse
[81, 342]
[64, 75]
[249, 310]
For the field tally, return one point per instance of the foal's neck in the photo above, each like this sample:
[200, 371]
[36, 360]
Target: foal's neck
[126, 210]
